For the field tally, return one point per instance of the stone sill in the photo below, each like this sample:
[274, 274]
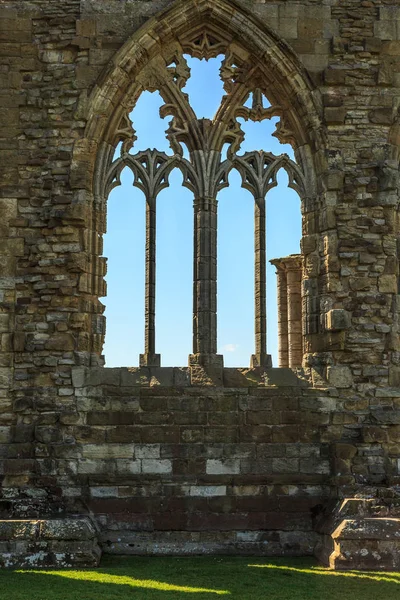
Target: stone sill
[190, 376]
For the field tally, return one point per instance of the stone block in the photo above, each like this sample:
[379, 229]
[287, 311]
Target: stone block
[385, 30]
[147, 451]
[381, 116]
[86, 27]
[207, 491]
[314, 466]
[107, 451]
[368, 529]
[79, 375]
[283, 377]
[95, 467]
[104, 492]
[335, 115]
[387, 392]
[228, 466]
[285, 465]
[337, 319]
[394, 376]
[153, 466]
[60, 543]
[388, 284]
[288, 28]
[335, 76]
[67, 529]
[310, 28]
[18, 530]
[387, 416]
[128, 467]
[345, 451]
[339, 376]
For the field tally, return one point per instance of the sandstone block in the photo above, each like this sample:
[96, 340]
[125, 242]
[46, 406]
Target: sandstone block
[147, 451]
[67, 529]
[337, 319]
[340, 377]
[207, 491]
[335, 115]
[160, 466]
[107, 451]
[388, 284]
[223, 467]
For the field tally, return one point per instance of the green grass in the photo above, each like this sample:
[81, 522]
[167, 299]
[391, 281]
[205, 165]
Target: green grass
[199, 578]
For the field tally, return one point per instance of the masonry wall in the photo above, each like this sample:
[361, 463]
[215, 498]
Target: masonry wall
[234, 458]
[166, 466]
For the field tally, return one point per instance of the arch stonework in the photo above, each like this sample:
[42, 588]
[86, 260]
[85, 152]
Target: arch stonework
[233, 460]
[277, 68]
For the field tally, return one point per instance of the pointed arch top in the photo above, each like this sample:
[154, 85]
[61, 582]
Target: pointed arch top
[206, 28]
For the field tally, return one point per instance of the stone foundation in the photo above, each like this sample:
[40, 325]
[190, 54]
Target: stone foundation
[360, 534]
[66, 542]
[164, 465]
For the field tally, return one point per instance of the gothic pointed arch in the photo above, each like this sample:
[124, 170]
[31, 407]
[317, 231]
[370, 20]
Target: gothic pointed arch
[256, 63]
[204, 29]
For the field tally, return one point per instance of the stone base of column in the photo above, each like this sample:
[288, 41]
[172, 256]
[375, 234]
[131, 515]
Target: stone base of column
[149, 360]
[206, 360]
[261, 360]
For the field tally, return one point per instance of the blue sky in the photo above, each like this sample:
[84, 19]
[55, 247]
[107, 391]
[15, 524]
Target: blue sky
[124, 244]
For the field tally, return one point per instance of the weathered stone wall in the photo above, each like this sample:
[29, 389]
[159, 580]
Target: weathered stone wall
[56, 58]
[221, 469]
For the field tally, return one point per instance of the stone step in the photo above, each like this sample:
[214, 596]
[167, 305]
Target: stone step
[67, 542]
[352, 538]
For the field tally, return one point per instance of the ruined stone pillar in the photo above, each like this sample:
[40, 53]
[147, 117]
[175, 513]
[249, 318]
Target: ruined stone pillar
[150, 358]
[205, 283]
[295, 338]
[283, 348]
[290, 334]
[260, 358]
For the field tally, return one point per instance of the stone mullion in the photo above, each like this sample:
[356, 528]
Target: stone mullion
[150, 358]
[260, 358]
[195, 278]
[205, 277]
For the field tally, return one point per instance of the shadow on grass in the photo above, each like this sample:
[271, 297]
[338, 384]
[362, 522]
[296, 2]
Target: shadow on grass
[198, 578]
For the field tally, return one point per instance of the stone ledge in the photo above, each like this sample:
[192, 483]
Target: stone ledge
[195, 376]
[69, 542]
[222, 542]
[353, 538]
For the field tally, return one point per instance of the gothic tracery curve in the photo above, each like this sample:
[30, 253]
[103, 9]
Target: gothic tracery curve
[264, 68]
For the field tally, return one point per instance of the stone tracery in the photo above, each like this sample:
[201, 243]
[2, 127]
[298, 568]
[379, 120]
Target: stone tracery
[205, 173]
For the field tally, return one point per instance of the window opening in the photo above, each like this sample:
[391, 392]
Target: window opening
[206, 151]
[235, 275]
[174, 273]
[124, 246]
[283, 240]
[204, 87]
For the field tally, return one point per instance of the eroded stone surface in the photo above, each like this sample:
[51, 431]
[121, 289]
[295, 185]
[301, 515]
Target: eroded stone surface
[290, 441]
[59, 542]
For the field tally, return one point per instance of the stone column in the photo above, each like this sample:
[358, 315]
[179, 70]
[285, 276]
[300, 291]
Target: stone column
[205, 284]
[290, 334]
[293, 265]
[260, 358]
[283, 349]
[150, 358]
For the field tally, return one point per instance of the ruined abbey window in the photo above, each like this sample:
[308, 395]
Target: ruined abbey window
[208, 154]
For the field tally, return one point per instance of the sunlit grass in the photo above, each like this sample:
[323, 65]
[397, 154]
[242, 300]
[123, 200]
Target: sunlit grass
[167, 578]
[373, 575]
[150, 584]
